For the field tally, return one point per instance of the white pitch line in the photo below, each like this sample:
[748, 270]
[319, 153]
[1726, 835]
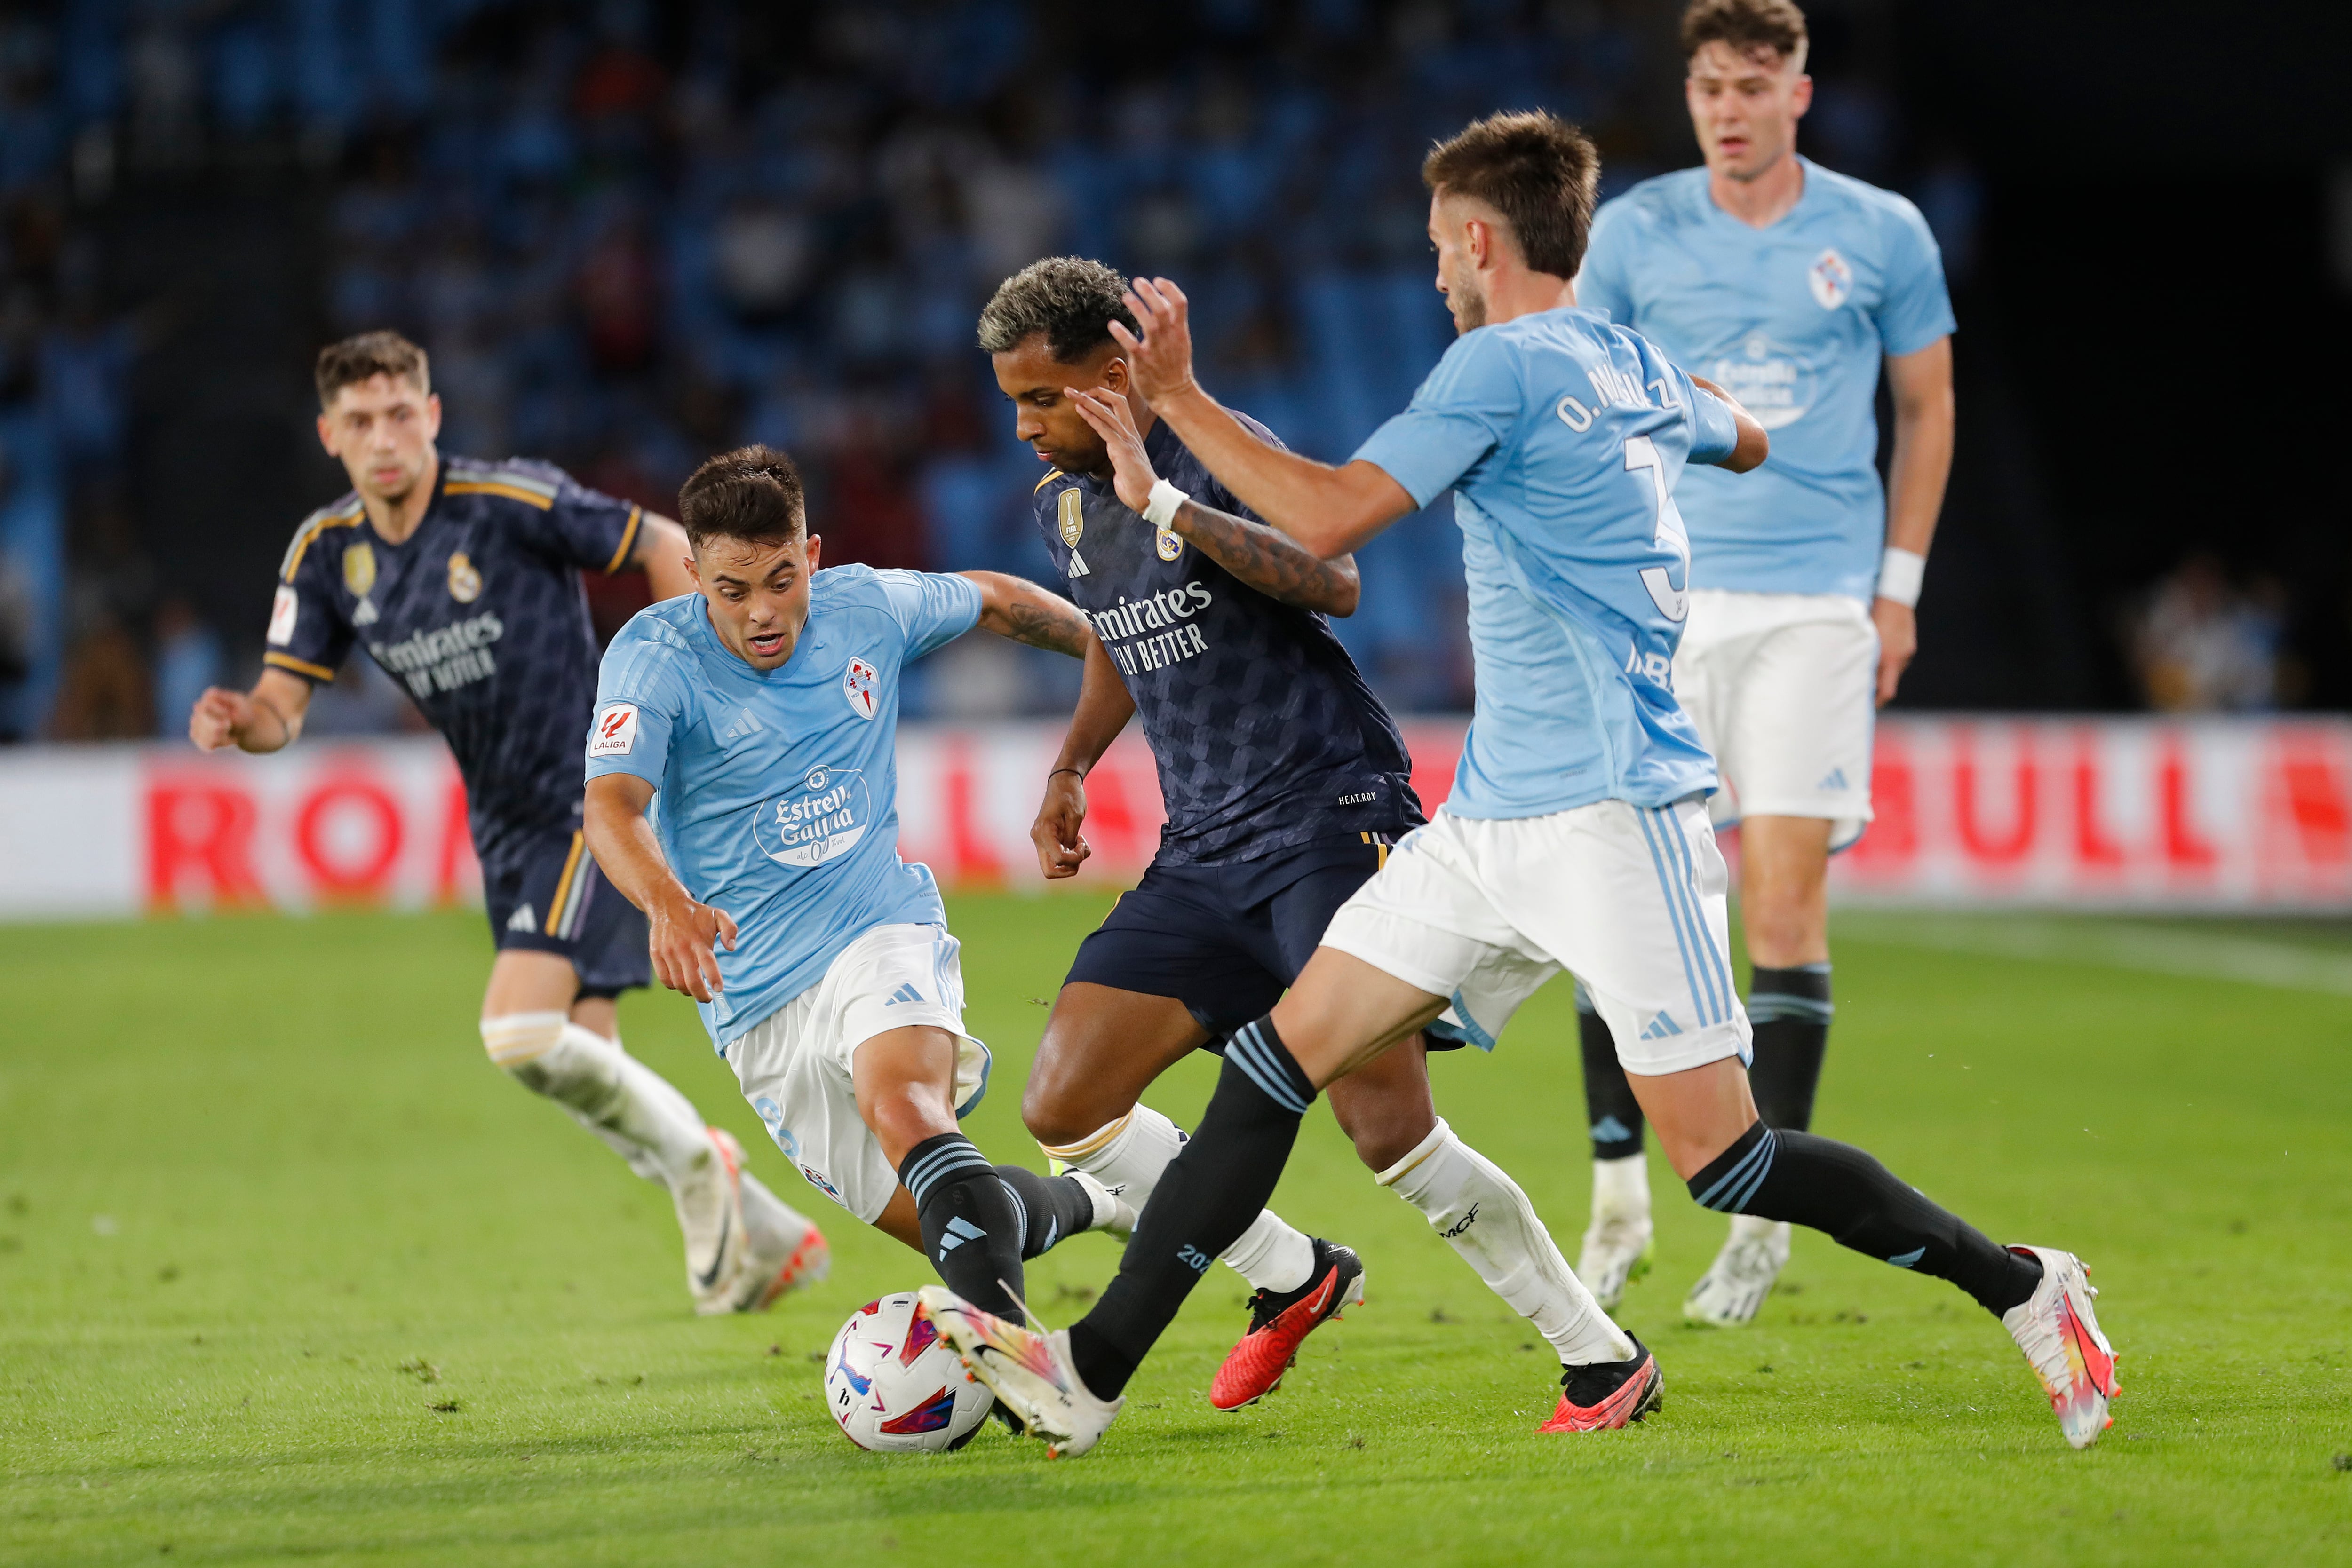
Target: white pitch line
[2282, 964]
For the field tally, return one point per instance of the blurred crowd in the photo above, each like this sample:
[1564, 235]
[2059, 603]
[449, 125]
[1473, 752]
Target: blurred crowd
[631, 234]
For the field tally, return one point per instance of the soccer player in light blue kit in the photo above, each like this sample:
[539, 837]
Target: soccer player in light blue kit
[763, 710]
[1790, 285]
[1576, 838]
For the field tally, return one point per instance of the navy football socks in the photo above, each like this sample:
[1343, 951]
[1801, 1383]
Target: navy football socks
[1791, 1010]
[973, 1230]
[1842, 1192]
[1205, 1199]
[1615, 1116]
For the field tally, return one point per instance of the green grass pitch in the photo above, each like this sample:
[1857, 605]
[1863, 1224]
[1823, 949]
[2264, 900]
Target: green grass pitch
[288, 1272]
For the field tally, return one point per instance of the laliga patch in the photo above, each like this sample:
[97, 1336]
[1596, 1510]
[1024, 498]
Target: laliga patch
[860, 684]
[283, 611]
[616, 732]
[1831, 280]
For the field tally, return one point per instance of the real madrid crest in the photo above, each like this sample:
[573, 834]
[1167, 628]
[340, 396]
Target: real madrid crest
[464, 583]
[358, 569]
[1167, 544]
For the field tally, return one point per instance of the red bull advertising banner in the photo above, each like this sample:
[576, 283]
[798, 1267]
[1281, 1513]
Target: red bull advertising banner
[2209, 815]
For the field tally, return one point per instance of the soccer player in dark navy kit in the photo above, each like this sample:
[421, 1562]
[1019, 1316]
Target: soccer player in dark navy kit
[462, 580]
[1285, 782]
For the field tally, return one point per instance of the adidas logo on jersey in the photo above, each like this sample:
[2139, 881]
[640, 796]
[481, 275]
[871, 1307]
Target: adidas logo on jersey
[524, 918]
[1660, 1027]
[1836, 780]
[904, 994]
[365, 614]
[1079, 562]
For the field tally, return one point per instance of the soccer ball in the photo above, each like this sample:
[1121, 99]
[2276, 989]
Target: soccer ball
[896, 1387]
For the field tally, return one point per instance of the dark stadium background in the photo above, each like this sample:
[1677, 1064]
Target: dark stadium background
[632, 233]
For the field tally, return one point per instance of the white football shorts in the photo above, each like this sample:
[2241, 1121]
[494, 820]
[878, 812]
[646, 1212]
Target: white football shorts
[794, 1064]
[1783, 688]
[1630, 899]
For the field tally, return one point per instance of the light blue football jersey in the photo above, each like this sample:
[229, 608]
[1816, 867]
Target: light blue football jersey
[1562, 436]
[779, 789]
[1792, 320]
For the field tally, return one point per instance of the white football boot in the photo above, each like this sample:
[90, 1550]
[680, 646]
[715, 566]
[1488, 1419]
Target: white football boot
[709, 1204]
[1029, 1371]
[784, 1251]
[2059, 1333]
[1730, 1291]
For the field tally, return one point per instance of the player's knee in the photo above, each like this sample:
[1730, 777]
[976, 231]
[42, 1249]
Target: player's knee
[1054, 1117]
[905, 1114]
[518, 1041]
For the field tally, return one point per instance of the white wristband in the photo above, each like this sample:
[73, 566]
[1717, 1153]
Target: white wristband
[1900, 573]
[1161, 507]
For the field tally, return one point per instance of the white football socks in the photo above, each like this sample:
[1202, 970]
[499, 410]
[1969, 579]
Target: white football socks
[1483, 1215]
[1621, 1187]
[1128, 1156]
[612, 1094]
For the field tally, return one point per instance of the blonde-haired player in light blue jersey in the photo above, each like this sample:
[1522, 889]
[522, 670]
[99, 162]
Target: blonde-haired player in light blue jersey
[1790, 285]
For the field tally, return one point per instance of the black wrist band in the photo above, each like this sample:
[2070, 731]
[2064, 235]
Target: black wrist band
[1081, 776]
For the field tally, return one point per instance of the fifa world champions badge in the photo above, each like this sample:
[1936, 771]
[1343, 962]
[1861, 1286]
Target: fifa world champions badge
[358, 569]
[1071, 510]
[859, 684]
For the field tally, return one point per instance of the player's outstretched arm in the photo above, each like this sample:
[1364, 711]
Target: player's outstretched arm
[267, 718]
[1755, 445]
[1015, 608]
[1331, 511]
[1104, 704]
[661, 554]
[1266, 559]
[682, 935]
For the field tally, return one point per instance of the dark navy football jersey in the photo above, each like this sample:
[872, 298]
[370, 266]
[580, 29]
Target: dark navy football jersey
[480, 615]
[1265, 734]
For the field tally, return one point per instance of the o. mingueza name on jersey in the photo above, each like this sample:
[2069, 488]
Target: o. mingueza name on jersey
[445, 658]
[1155, 633]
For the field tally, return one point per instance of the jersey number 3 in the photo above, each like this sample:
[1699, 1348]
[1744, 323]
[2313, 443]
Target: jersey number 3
[1672, 603]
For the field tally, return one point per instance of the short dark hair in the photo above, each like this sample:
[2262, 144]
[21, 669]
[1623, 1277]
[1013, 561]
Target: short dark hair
[752, 493]
[367, 356]
[1749, 26]
[1070, 300]
[1537, 171]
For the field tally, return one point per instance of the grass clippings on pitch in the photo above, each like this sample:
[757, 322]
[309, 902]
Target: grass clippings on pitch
[287, 1271]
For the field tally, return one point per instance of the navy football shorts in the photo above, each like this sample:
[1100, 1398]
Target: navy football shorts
[1227, 940]
[547, 894]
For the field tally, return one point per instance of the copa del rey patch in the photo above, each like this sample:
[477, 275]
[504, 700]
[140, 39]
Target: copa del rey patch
[616, 732]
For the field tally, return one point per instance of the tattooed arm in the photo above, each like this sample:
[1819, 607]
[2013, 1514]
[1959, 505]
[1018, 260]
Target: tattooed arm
[1013, 607]
[1266, 559]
